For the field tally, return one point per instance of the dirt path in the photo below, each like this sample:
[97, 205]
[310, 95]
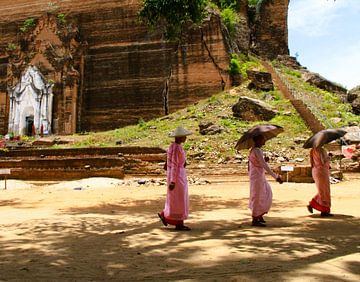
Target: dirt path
[108, 231]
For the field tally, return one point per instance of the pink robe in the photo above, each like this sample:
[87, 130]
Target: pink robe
[177, 200]
[260, 191]
[320, 163]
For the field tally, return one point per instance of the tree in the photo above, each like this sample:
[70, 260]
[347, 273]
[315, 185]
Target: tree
[173, 16]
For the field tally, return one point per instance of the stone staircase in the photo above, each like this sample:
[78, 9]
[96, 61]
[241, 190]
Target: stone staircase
[311, 120]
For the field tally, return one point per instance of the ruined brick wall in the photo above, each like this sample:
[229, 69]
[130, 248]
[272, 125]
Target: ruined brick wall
[270, 31]
[127, 72]
[126, 68]
[242, 36]
[136, 67]
[4, 102]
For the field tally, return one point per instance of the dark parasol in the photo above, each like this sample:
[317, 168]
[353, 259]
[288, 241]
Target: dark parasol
[323, 137]
[267, 130]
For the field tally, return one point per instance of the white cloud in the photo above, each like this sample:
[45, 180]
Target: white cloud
[326, 32]
[312, 17]
[346, 66]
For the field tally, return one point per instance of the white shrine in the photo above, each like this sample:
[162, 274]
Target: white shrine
[31, 104]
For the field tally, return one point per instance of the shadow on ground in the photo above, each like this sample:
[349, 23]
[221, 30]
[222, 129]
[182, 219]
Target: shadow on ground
[126, 242]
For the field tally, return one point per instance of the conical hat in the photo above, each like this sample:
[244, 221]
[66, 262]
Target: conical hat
[180, 132]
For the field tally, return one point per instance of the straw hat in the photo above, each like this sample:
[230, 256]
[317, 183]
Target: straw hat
[180, 132]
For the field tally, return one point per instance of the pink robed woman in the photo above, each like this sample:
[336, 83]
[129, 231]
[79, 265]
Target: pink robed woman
[260, 190]
[177, 198]
[320, 163]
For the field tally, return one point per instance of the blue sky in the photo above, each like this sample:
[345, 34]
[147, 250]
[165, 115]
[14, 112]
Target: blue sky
[325, 36]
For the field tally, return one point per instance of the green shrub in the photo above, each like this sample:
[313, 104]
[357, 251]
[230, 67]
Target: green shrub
[293, 73]
[142, 124]
[11, 47]
[247, 66]
[253, 3]
[187, 146]
[173, 15]
[27, 25]
[234, 67]
[61, 18]
[223, 4]
[230, 19]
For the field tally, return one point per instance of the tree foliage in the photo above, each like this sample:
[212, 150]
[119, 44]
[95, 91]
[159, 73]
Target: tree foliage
[230, 19]
[253, 3]
[223, 4]
[234, 66]
[173, 15]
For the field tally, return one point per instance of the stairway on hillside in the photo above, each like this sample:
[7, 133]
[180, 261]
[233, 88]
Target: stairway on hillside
[306, 114]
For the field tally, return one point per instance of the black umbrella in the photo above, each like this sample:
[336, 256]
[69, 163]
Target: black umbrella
[323, 137]
[267, 130]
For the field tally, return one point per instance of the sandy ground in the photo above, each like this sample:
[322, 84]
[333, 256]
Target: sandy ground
[107, 231]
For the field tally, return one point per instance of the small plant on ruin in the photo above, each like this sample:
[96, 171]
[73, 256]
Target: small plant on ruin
[51, 81]
[249, 63]
[142, 124]
[11, 47]
[293, 73]
[223, 4]
[27, 25]
[172, 15]
[230, 19]
[253, 3]
[234, 67]
[52, 7]
[61, 18]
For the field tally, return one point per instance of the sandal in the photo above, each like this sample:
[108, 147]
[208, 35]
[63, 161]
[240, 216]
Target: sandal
[310, 209]
[326, 214]
[162, 219]
[258, 223]
[182, 228]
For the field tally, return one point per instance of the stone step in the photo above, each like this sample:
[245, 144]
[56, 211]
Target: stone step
[73, 152]
[47, 164]
[310, 119]
[65, 174]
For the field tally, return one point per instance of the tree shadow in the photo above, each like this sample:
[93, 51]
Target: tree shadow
[12, 202]
[130, 244]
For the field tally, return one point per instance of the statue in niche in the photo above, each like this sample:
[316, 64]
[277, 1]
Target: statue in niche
[31, 104]
[53, 48]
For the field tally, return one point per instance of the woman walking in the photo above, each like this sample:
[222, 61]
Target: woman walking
[320, 168]
[177, 199]
[260, 190]
[320, 163]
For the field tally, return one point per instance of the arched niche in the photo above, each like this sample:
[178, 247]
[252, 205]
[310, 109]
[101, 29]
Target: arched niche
[53, 48]
[31, 103]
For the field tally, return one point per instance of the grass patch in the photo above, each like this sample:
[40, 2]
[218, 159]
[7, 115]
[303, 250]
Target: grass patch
[326, 106]
[217, 109]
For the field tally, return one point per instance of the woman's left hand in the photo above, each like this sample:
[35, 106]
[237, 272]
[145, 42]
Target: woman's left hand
[172, 186]
[279, 179]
